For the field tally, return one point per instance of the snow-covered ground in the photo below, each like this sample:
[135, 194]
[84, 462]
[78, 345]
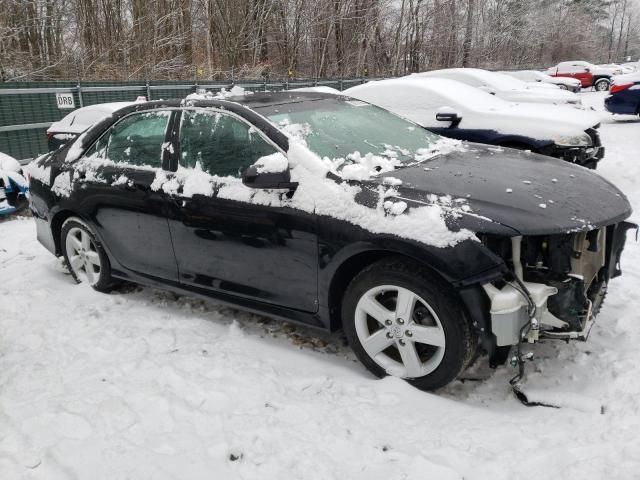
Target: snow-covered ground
[141, 384]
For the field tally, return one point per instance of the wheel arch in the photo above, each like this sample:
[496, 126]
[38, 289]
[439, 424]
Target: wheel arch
[56, 227]
[447, 268]
[518, 143]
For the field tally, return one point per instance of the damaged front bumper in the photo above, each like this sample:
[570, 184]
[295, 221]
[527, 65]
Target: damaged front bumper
[552, 297]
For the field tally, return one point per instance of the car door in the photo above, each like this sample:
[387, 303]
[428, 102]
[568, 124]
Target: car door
[114, 188]
[577, 71]
[225, 240]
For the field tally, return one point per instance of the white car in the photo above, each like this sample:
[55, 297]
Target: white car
[76, 122]
[533, 77]
[503, 86]
[455, 110]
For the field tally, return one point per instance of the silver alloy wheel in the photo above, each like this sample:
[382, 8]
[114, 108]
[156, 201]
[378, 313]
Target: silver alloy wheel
[602, 86]
[83, 257]
[408, 341]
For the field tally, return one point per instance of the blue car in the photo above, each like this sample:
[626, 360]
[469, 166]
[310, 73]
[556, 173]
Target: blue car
[625, 95]
[14, 188]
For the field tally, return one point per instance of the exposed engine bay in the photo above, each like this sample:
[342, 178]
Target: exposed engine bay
[558, 283]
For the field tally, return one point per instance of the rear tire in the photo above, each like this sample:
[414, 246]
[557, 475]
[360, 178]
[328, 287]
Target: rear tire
[602, 85]
[84, 255]
[401, 320]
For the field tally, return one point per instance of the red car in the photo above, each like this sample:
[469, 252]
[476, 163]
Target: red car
[590, 75]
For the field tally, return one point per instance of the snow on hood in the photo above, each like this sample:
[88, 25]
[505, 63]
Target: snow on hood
[419, 98]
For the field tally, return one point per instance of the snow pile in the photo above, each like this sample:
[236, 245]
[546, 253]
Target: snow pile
[363, 167]
[195, 181]
[39, 172]
[274, 163]
[62, 184]
[8, 163]
[296, 131]
[235, 91]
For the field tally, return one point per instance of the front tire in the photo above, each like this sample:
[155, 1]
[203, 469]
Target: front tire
[84, 256]
[402, 321]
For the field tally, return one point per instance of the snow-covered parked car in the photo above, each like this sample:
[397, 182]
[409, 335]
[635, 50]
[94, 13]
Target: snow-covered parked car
[534, 76]
[504, 86]
[455, 110]
[334, 213]
[587, 73]
[77, 121]
[14, 189]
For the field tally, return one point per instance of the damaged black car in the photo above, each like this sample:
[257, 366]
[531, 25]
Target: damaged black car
[333, 213]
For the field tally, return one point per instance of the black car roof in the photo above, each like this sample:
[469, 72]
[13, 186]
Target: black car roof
[250, 100]
[243, 105]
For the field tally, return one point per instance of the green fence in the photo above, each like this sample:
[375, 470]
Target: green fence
[28, 108]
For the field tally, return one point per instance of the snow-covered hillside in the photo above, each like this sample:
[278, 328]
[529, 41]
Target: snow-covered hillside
[141, 384]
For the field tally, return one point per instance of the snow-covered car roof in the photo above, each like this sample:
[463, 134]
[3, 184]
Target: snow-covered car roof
[82, 118]
[496, 80]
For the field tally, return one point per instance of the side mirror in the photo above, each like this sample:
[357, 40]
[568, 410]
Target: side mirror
[445, 115]
[487, 89]
[587, 69]
[268, 180]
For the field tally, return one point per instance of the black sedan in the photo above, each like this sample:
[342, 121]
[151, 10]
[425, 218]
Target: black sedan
[334, 213]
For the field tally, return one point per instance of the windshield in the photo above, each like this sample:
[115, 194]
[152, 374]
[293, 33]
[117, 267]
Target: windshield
[346, 131]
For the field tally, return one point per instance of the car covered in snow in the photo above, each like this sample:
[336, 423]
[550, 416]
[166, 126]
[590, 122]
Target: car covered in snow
[534, 76]
[590, 75]
[77, 121]
[14, 188]
[624, 95]
[504, 86]
[328, 211]
[455, 110]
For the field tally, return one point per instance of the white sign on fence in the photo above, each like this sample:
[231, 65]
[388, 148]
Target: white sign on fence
[65, 100]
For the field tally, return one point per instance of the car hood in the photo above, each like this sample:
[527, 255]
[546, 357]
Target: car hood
[535, 121]
[564, 81]
[489, 188]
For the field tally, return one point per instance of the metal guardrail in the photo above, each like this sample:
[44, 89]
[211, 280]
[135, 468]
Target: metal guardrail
[27, 110]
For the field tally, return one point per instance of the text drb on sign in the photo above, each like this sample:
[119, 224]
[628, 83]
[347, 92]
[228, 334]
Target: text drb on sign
[65, 100]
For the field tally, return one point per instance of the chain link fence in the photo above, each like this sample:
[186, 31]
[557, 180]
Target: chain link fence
[27, 109]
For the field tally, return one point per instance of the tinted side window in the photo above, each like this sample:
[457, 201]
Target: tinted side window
[136, 140]
[221, 144]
